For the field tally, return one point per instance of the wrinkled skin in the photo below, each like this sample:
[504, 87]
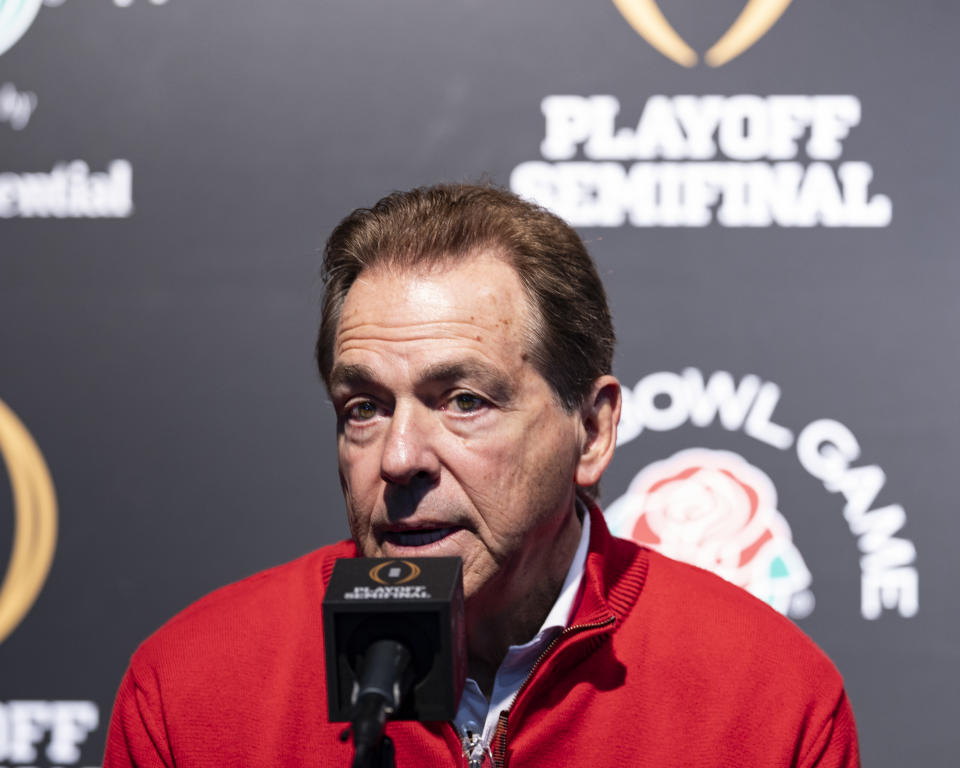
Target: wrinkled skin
[451, 443]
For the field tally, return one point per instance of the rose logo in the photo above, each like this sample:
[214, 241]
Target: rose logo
[714, 510]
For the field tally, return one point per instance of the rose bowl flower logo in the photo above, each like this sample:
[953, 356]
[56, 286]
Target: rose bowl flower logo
[714, 510]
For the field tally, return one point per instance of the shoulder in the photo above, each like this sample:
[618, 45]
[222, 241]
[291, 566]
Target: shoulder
[247, 654]
[711, 648]
[706, 622]
[260, 615]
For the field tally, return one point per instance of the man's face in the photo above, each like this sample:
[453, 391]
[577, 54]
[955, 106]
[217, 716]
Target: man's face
[450, 442]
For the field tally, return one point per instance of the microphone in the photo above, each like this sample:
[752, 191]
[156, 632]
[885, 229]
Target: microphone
[395, 645]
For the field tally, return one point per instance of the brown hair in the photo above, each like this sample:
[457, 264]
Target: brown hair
[572, 343]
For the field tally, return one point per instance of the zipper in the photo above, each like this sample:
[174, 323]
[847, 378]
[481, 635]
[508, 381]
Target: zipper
[499, 741]
[474, 749]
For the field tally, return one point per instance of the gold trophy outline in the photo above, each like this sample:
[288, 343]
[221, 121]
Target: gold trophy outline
[750, 25]
[34, 521]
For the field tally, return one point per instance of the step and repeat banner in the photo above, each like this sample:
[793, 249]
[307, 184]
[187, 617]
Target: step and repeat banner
[769, 190]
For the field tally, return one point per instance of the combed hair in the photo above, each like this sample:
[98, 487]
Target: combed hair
[573, 338]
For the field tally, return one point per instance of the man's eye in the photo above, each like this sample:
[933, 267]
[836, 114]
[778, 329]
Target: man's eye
[467, 403]
[362, 411]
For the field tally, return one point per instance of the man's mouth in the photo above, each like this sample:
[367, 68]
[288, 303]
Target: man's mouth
[417, 538]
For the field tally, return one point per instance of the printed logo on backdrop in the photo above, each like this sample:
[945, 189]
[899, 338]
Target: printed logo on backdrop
[34, 521]
[689, 161]
[742, 160]
[720, 512]
[55, 731]
[753, 22]
[16, 16]
[716, 511]
[30, 729]
[71, 189]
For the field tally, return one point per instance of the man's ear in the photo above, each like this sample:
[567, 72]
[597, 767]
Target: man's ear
[599, 415]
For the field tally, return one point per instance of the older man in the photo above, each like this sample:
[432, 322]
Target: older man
[467, 348]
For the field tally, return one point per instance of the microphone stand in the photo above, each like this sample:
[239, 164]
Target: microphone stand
[382, 757]
[385, 680]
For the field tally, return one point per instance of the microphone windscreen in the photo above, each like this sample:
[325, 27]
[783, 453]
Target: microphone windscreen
[417, 602]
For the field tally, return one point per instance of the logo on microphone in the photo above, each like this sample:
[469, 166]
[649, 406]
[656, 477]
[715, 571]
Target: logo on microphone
[754, 21]
[393, 573]
[34, 521]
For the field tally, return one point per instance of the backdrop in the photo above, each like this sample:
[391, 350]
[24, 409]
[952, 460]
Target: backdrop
[768, 188]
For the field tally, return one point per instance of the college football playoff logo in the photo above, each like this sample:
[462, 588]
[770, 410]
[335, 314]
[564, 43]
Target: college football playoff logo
[393, 573]
[714, 510]
[34, 521]
[753, 22]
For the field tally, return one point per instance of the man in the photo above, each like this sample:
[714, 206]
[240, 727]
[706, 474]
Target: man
[467, 348]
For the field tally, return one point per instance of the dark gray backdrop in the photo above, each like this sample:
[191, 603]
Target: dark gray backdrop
[162, 361]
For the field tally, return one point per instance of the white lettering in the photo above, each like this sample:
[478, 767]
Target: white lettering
[894, 589]
[788, 119]
[25, 724]
[876, 528]
[663, 385]
[860, 212]
[603, 194]
[833, 117]
[408, 592]
[664, 400]
[860, 486]
[70, 190]
[28, 721]
[759, 424]
[568, 124]
[746, 127]
[826, 448]
[699, 118]
[658, 131]
[743, 128]
[16, 107]
[682, 179]
[603, 144]
[818, 200]
[720, 396]
[72, 722]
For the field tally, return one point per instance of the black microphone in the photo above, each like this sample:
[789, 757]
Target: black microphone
[395, 645]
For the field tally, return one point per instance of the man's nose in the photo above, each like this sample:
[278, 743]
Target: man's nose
[408, 450]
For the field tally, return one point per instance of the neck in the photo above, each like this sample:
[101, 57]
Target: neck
[513, 610]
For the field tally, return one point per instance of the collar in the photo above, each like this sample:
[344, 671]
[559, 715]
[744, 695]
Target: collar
[562, 610]
[614, 574]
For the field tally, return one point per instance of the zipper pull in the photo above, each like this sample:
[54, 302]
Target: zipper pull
[474, 749]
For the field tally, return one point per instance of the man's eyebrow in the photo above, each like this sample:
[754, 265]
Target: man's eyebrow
[351, 375]
[491, 379]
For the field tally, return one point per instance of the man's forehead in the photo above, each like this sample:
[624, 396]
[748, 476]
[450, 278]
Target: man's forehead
[491, 263]
[466, 319]
[483, 289]
[440, 371]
